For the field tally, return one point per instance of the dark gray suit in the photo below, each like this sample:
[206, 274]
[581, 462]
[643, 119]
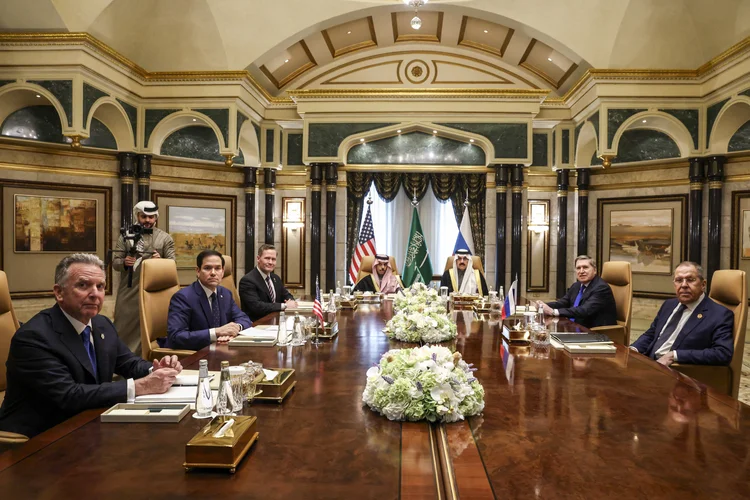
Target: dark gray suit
[596, 308]
[255, 298]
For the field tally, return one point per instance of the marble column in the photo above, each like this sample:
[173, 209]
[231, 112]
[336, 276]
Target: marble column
[127, 178]
[316, 179]
[144, 177]
[332, 177]
[563, 177]
[251, 179]
[269, 181]
[715, 174]
[695, 210]
[516, 181]
[501, 212]
[584, 179]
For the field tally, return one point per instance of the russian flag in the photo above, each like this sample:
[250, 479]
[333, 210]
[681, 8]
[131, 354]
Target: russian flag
[464, 240]
[509, 306]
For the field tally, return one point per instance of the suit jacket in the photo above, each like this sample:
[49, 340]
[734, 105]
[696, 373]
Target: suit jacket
[50, 377]
[706, 339]
[597, 306]
[190, 317]
[255, 298]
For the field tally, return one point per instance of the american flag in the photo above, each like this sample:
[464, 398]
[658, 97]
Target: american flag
[317, 306]
[365, 247]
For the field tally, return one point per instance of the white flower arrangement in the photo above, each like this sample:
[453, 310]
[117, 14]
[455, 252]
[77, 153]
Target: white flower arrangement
[415, 297]
[424, 383]
[421, 323]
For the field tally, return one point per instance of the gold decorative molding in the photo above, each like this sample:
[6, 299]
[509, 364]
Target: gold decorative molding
[435, 62]
[144, 181]
[315, 188]
[562, 193]
[582, 192]
[413, 168]
[195, 182]
[516, 189]
[696, 186]
[715, 185]
[373, 42]
[640, 185]
[462, 93]
[250, 190]
[127, 180]
[60, 170]
[481, 46]
[332, 81]
[416, 71]
[269, 190]
[54, 149]
[501, 189]
[399, 38]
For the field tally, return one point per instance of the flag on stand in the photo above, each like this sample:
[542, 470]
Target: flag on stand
[365, 247]
[317, 306]
[509, 306]
[417, 266]
[464, 239]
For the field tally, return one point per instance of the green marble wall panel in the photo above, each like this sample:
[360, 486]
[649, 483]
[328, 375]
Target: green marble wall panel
[269, 145]
[595, 160]
[745, 93]
[241, 119]
[196, 141]
[6, 82]
[42, 123]
[509, 139]
[323, 139]
[153, 117]
[566, 146]
[539, 151]
[594, 119]
[645, 144]
[688, 117]
[239, 159]
[63, 92]
[294, 149]
[132, 113]
[221, 118]
[615, 118]
[740, 141]
[711, 114]
[416, 148]
[90, 96]
[554, 152]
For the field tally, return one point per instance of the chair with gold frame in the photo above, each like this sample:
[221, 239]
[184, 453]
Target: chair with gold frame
[228, 280]
[159, 281]
[476, 263]
[8, 326]
[619, 276]
[728, 288]
[365, 268]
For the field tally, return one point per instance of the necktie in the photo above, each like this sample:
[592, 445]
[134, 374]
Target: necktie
[669, 329]
[270, 289]
[215, 316]
[578, 299]
[86, 336]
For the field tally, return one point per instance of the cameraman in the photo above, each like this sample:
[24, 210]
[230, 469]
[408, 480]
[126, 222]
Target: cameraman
[142, 241]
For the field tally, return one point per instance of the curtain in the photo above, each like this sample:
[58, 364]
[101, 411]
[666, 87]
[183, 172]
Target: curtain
[357, 186]
[476, 187]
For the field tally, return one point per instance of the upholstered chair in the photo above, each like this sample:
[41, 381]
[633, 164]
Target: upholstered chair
[618, 276]
[8, 327]
[228, 280]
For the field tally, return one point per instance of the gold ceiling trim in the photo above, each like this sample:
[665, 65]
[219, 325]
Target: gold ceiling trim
[58, 170]
[400, 38]
[462, 40]
[332, 81]
[435, 62]
[398, 167]
[468, 93]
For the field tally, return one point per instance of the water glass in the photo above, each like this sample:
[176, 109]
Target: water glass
[444, 293]
[236, 377]
[253, 371]
[347, 291]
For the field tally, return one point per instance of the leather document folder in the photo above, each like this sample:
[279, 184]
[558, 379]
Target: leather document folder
[582, 338]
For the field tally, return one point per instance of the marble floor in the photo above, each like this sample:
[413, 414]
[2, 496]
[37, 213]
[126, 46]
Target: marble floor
[639, 326]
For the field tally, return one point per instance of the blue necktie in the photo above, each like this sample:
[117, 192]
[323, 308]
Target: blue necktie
[578, 299]
[669, 329]
[215, 311]
[86, 335]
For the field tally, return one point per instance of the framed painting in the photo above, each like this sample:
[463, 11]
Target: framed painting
[42, 222]
[740, 233]
[648, 232]
[197, 222]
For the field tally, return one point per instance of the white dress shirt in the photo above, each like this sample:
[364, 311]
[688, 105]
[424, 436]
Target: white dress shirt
[211, 331]
[265, 276]
[78, 326]
[667, 345]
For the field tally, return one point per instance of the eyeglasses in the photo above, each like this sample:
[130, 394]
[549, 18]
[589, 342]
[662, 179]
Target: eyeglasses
[689, 281]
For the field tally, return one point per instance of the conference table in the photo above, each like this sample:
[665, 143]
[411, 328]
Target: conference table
[554, 426]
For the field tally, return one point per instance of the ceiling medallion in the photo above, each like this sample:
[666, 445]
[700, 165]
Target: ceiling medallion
[416, 22]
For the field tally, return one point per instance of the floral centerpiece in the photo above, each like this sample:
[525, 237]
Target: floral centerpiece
[424, 383]
[421, 323]
[415, 297]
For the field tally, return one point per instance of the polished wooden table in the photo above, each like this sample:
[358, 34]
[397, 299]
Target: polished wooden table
[555, 426]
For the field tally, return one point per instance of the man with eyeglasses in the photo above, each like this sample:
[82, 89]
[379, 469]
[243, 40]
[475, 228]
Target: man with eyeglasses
[691, 328]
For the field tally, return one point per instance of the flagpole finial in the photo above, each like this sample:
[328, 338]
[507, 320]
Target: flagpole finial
[466, 202]
[369, 200]
[414, 201]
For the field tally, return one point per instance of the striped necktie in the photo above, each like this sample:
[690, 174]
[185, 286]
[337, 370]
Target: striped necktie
[271, 291]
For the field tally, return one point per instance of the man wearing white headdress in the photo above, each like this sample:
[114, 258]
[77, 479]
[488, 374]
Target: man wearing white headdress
[151, 243]
[382, 280]
[462, 277]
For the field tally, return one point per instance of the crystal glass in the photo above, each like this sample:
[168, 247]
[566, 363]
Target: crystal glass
[283, 338]
[236, 376]
[347, 291]
[252, 371]
[298, 332]
[444, 293]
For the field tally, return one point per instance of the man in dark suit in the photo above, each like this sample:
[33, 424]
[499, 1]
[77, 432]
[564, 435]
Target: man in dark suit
[690, 328]
[61, 361]
[589, 302]
[261, 290]
[204, 312]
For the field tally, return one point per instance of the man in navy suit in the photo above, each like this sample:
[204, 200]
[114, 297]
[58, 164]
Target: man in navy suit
[589, 302]
[204, 312]
[61, 361]
[261, 290]
[692, 328]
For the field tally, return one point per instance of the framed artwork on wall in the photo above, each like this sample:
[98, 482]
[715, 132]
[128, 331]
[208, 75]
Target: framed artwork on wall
[650, 232]
[42, 222]
[197, 222]
[740, 233]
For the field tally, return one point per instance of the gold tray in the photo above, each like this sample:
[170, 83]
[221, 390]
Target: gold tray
[516, 335]
[349, 304]
[368, 299]
[330, 331]
[277, 389]
[482, 309]
[204, 451]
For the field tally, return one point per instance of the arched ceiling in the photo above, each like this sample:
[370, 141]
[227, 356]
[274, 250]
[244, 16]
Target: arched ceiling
[214, 35]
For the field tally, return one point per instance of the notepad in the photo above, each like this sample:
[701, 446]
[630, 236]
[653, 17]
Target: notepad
[190, 377]
[301, 306]
[582, 338]
[590, 348]
[175, 394]
[258, 333]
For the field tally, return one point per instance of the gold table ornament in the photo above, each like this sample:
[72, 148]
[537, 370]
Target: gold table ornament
[329, 331]
[279, 387]
[204, 451]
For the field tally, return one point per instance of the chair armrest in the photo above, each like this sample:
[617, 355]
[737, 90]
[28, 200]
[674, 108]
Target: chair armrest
[164, 351]
[12, 437]
[616, 333]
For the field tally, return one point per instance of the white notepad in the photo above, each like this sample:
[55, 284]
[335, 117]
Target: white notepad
[260, 333]
[190, 377]
[175, 394]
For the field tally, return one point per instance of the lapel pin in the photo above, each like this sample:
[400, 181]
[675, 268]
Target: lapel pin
[700, 316]
[102, 336]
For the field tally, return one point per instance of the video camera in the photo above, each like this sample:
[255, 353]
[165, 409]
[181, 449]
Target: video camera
[131, 237]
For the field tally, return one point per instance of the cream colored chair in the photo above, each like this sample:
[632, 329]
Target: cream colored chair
[8, 326]
[159, 282]
[365, 268]
[619, 277]
[228, 280]
[728, 288]
[476, 263]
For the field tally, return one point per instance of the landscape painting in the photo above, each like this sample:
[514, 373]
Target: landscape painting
[194, 229]
[54, 224]
[643, 238]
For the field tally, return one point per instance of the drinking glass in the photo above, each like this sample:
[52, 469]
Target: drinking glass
[444, 293]
[252, 372]
[236, 376]
[347, 291]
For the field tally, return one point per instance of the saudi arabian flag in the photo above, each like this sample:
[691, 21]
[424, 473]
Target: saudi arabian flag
[417, 266]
